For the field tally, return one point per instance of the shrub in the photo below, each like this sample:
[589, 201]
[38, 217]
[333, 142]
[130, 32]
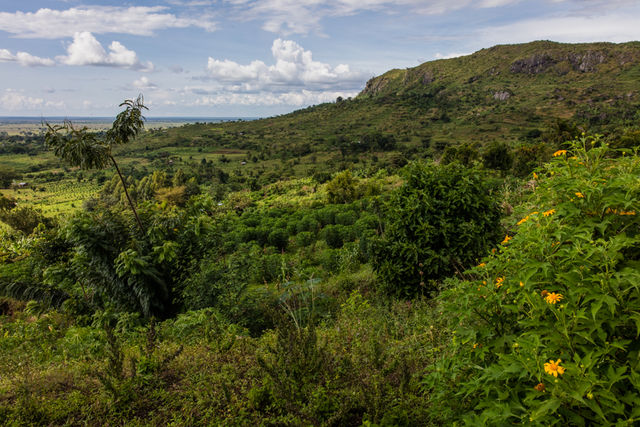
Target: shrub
[498, 156]
[304, 238]
[334, 235]
[346, 218]
[279, 239]
[546, 329]
[342, 188]
[24, 219]
[440, 221]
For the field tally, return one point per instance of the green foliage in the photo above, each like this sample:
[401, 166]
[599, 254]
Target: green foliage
[24, 219]
[7, 176]
[466, 154]
[342, 188]
[439, 222]
[498, 156]
[279, 239]
[563, 291]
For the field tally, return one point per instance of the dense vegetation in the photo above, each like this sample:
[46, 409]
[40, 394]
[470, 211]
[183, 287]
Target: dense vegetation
[377, 280]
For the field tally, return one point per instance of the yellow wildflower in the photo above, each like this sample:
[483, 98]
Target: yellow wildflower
[580, 195]
[482, 264]
[553, 298]
[499, 281]
[523, 220]
[506, 239]
[554, 368]
[559, 153]
[521, 284]
[549, 212]
[535, 176]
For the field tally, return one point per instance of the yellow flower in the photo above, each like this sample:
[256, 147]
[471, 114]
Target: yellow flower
[549, 212]
[523, 220]
[535, 176]
[554, 368]
[521, 284]
[499, 281]
[482, 264]
[559, 153]
[580, 195]
[553, 298]
[506, 239]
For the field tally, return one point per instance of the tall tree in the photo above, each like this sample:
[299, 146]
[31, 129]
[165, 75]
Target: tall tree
[88, 150]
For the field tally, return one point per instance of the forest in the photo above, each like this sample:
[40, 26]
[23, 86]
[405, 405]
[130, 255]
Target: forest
[362, 271]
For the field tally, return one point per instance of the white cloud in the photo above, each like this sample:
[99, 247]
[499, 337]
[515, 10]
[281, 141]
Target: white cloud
[86, 50]
[303, 16]
[450, 55]
[293, 66]
[25, 59]
[13, 100]
[294, 98]
[611, 27]
[52, 24]
[143, 83]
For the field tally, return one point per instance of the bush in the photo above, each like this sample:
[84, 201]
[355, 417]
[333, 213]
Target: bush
[546, 329]
[498, 156]
[24, 219]
[334, 235]
[279, 239]
[304, 238]
[440, 221]
[342, 188]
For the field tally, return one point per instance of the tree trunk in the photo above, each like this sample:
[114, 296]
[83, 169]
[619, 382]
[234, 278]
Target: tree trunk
[126, 192]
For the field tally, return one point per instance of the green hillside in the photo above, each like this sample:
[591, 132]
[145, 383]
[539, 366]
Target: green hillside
[506, 92]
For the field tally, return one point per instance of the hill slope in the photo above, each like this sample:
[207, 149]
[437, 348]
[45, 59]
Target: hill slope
[507, 92]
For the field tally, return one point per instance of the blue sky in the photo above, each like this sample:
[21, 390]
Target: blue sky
[210, 58]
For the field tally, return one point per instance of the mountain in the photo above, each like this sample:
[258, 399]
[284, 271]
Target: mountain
[507, 92]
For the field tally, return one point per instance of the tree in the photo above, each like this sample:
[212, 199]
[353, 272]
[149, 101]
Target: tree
[87, 150]
[439, 222]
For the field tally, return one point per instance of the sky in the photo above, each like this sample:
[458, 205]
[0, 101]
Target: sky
[257, 58]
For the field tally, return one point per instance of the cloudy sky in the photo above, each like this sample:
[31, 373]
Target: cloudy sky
[211, 58]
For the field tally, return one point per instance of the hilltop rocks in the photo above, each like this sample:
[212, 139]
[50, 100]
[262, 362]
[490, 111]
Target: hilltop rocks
[539, 63]
[587, 62]
[534, 64]
[427, 78]
[502, 95]
[375, 85]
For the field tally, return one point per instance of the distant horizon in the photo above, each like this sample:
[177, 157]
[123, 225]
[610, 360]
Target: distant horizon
[110, 118]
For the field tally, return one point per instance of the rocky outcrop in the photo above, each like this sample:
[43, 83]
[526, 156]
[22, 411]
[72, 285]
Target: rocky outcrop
[535, 64]
[427, 78]
[502, 95]
[375, 85]
[586, 62]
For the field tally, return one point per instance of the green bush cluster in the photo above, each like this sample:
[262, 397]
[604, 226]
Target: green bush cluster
[546, 329]
[441, 221]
